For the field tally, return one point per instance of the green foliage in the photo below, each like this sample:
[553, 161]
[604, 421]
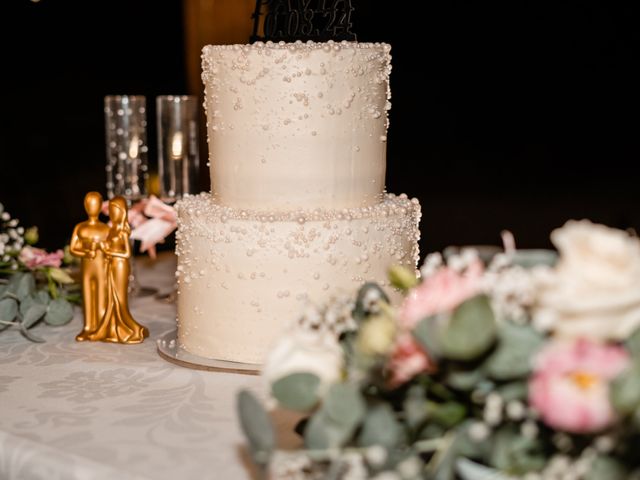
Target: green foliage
[516, 347]
[468, 470]
[381, 427]
[26, 300]
[533, 258]
[33, 314]
[446, 414]
[59, 312]
[515, 453]
[335, 423]
[471, 330]
[608, 468]
[633, 344]
[297, 391]
[427, 334]
[257, 426]
[625, 390]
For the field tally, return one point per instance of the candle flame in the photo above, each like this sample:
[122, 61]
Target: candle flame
[176, 145]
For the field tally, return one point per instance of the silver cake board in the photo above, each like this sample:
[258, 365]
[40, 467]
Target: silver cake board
[169, 350]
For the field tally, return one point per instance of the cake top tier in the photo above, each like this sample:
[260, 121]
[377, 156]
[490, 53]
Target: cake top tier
[297, 125]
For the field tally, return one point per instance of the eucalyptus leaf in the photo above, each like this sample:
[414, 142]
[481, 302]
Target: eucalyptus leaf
[604, 467]
[33, 315]
[512, 358]
[22, 285]
[415, 406]
[427, 335]
[514, 391]
[42, 296]
[625, 390]
[59, 312]
[26, 304]
[344, 404]
[297, 391]
[8, 309]
[633, 343]
[28, 335]
[447, 414]
[514, 453]
[469, 470]
[471, 330]
[256, 426]
[465, 380]
[529, 258]
[322, 432]
[380, 428]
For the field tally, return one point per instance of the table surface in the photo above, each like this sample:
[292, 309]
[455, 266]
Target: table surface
[95, 410]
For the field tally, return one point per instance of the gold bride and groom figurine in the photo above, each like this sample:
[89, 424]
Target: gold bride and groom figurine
[105, 251]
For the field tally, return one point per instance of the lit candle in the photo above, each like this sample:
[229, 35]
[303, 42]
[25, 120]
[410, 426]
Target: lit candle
[176, 146]
[133, 146]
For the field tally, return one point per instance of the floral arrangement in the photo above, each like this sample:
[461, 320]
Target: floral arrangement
[151, 220]
[522, 366]
[35, 285]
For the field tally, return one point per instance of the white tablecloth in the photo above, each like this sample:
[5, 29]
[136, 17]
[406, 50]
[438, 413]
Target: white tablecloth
[102, 411]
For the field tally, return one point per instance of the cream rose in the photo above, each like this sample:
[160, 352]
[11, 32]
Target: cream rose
[304, 351]
[594, 290]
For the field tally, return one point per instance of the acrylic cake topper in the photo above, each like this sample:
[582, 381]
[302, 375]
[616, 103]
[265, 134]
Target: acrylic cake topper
[291, 20]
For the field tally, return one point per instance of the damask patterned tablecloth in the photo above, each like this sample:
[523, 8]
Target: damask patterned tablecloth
[72, 410]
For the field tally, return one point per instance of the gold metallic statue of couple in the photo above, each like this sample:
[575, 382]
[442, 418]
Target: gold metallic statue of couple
[105, 251]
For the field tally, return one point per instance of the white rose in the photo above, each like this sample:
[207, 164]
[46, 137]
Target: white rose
[594, 291]
[304, 351]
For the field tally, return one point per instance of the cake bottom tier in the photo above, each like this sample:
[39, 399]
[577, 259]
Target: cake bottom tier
[243, 276]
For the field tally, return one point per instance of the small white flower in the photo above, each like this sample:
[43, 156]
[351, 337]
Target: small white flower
[532, 476]
[604, 444]
[5, 216]
[410, 467]
[456, 263]
[558, 465]
[13, 223]
[492, 414]
[431, 264]
[562, 441]
[371, 299]
[479, 432]
[516, 410]
[355, 467]
[388, 475]
[529, 429]
[376, 455]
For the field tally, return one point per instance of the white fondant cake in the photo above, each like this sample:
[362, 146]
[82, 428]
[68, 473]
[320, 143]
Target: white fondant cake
[297, 146]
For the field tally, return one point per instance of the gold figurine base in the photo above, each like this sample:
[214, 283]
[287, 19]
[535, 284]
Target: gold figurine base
[169, 350]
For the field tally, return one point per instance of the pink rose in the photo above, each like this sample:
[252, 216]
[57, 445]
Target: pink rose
[33, 258]
[570, 385]
[441, 292]
[407, 360]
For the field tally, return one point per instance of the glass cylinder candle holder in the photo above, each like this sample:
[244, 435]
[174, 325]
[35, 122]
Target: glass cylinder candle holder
[126, 138]
[178, 156]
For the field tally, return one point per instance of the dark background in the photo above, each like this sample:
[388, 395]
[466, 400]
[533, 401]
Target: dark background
[525, 114]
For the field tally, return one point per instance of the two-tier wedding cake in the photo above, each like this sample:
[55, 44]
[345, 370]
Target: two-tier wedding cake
[298, 212]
